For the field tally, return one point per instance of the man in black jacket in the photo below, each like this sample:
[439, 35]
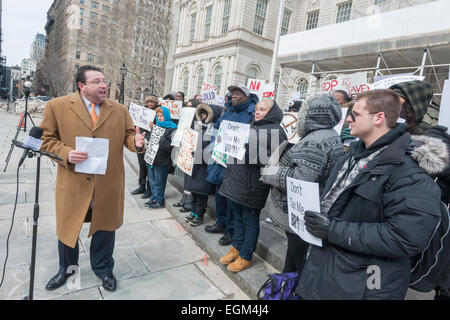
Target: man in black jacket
[378, 209]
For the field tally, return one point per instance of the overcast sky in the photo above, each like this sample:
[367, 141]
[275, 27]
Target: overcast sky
[21, 21]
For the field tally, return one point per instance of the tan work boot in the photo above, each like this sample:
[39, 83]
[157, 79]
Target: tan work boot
[239, 264]
[230, 256]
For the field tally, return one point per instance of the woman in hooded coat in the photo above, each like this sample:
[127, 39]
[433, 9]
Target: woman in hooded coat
[242, 186]
[159, 169]
[311, 159]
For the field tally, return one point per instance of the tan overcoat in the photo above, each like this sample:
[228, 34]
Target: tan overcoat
[64, 119]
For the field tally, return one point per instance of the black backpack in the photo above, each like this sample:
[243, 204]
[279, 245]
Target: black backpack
[431, 268]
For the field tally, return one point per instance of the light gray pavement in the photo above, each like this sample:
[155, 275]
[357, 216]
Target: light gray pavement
[155, 257]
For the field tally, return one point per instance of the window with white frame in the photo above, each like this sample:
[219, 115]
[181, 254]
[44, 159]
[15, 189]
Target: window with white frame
[208, 22]
[218, 78]
[260, 16]
[200, 78]
[192, 29]
[378, 2]
[285, 22]
[252, 73]
[302, 87]
[343, 12]
[185, 78]
[312, 21]
[226, 16]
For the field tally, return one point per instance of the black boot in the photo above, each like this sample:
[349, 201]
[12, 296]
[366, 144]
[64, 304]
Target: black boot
[139, 190]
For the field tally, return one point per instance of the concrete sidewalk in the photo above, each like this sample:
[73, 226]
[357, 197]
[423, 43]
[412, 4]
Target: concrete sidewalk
[155, 257]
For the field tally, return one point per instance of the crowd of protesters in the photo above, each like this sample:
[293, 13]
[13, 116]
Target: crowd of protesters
[380, 196]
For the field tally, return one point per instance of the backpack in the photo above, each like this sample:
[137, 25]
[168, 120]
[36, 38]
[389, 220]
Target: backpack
[432, 265]
[280, 286]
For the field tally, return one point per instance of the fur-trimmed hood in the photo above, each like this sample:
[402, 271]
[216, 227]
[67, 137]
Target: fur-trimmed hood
[430, 153]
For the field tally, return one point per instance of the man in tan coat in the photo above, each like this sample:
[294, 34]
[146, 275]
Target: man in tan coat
[84, 197]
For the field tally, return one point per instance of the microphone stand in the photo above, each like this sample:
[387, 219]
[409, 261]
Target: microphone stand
[38, 155]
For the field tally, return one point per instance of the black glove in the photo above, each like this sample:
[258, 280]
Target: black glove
[317, 224]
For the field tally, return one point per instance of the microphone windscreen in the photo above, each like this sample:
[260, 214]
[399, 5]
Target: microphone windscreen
[36, 132]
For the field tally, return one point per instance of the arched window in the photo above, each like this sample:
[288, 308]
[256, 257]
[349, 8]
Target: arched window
[252, 73]
[200, 79]
[302, 87]
[185, 79]
[218, 78]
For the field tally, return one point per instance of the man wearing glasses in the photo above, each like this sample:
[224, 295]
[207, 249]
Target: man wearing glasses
[82, 197]
[378, 209]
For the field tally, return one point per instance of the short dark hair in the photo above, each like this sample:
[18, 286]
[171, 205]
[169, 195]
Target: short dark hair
[383, 100]
[347, 98]
[80, 76]
[168, 97]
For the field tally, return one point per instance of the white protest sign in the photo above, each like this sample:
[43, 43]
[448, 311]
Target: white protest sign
[255, 85]
[389, 82]
[186, 117]
[338, 127]
[354, 84]
[289, 124]
[268, 91]
[216, 155]
[141, 116]
[444, 110]
[173, 106]
[153, 144]
[209, 93]
[185, 159]
[233, 139]
[302, 196]
[264, 91]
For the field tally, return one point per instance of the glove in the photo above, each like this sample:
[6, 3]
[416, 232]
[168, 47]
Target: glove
[317, 224]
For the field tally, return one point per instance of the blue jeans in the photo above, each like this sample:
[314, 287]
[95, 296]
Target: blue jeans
[224, 212]
[246, 229]
[157, 176]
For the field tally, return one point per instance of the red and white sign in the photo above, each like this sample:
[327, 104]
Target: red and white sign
[264, 91]
[354, 84]
[173, 106]
[209, 93]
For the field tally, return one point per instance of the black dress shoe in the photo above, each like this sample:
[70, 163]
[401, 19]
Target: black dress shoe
[226, 239]
[147, 194]
[215, 229]
[139, 190]
[110, 283]
[57, 281]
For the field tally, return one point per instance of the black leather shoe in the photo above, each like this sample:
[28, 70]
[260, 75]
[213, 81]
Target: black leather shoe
[57, 281]
[147, 194]
[139, 190]
[226, 239]
[110, 283]
[215, 229]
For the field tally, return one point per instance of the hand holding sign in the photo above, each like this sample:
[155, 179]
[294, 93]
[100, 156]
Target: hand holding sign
[317, 224]
[139, 138]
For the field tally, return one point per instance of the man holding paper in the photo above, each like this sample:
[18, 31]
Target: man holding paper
[378, 209]
[95, 196]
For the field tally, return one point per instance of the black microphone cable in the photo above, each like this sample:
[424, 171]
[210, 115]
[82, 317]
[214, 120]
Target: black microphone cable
[10, 229]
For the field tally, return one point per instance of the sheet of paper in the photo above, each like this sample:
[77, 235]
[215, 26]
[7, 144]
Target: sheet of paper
[444, 111]
[302, 196]
[98, 150]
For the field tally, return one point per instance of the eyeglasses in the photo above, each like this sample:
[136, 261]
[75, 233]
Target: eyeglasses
[353, 116]
[98, 82]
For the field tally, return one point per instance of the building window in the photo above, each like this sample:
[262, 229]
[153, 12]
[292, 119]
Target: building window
[344, 11]
[208, 22]
[114, 21]
[94, 5]
[260, 16]
[116, 2]
[94, 15]
[226, 16]
[81, 1]
[77, 54]
[285, 22]
[81, 22]
[185, 81]
[91, 46]
[104, 18]
[105, 8]
[192, 30]
[200, 78]
[100, 60]
[90, 57]
[302, 87]
[252, 73]
[312, 21]
[93, 25]
[378, 2]
[81, 11]
[218, 78]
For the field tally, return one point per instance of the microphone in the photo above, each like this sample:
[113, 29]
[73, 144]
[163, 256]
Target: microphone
[32, 142]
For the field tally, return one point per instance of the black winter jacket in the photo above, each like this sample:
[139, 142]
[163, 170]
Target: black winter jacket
[163, 156]
[375, 225]
[197, 182]
[241, 181]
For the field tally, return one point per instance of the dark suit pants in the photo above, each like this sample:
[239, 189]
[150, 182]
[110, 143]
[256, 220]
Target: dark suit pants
[101, 254]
